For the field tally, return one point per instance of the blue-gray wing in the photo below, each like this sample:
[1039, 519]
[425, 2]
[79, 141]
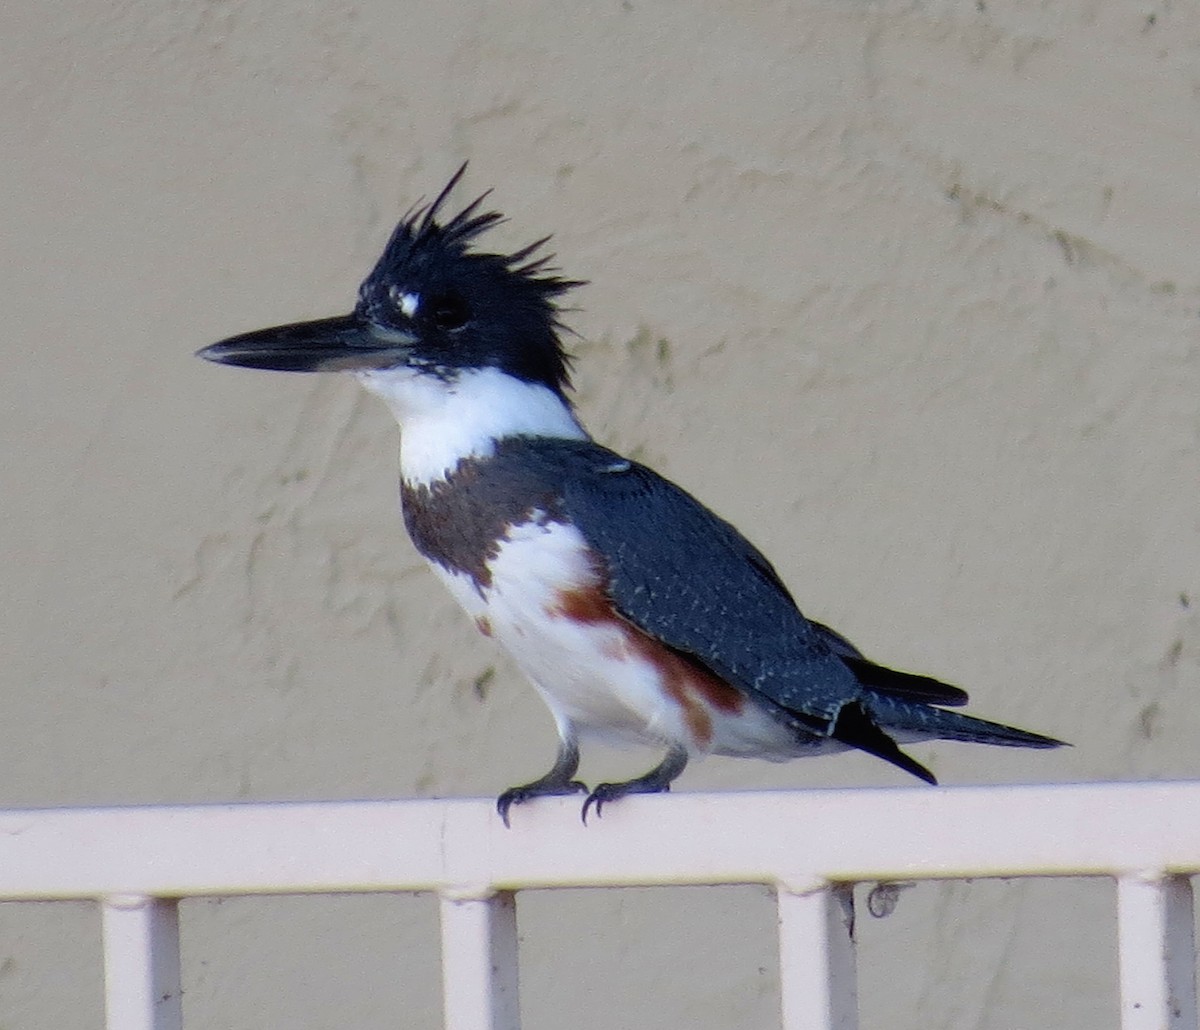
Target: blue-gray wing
[691, 580]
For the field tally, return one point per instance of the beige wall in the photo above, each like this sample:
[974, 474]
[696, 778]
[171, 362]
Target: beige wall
[928, 277]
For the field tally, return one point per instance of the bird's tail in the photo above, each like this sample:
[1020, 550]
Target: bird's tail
[900, 717]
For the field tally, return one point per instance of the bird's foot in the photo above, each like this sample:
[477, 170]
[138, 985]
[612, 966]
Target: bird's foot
[656, 781]
[606, 792]
[544, 788]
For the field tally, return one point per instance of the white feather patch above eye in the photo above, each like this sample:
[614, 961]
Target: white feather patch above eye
[408, 303]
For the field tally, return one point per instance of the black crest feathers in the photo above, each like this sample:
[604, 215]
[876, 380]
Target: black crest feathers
[420, 234]
[506, 303]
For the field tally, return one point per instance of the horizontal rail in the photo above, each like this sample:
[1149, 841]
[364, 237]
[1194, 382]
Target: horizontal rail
[461, 846]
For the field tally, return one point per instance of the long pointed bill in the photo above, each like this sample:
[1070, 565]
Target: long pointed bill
[340, 344]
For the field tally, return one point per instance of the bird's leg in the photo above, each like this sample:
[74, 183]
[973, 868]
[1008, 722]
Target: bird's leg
[655, 781]
[556, 782]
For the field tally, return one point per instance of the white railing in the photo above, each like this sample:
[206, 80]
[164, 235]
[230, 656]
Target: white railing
[810, 846]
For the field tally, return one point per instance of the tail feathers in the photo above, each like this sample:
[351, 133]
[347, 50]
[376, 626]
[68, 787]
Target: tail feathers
[903, 717]
[869, 723]
[855, 726]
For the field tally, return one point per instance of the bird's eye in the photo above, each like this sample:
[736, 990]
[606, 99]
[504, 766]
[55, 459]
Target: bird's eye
[449, 311]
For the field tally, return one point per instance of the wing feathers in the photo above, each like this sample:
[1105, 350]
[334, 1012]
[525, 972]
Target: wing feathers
[906, 685]
[690, 580]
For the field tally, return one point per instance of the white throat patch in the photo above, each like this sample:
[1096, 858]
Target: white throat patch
[444, 421]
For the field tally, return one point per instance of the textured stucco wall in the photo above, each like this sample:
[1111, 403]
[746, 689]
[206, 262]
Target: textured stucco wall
[927, 278]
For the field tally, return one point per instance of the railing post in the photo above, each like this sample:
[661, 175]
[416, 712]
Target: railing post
[479, 962]
[1157, 950]
[141, 963]
[817, 972]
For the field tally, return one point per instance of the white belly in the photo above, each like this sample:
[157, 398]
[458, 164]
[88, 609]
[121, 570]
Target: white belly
[588, 669]
[582, 671]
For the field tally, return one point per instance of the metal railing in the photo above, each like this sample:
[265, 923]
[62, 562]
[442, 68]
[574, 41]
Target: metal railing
[811, 846]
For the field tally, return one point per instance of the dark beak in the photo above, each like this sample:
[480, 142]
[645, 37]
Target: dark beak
[340, 344]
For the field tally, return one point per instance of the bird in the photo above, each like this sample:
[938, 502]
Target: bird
[637, 613]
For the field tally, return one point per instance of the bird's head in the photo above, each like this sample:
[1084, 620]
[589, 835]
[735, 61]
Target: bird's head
[432, 308]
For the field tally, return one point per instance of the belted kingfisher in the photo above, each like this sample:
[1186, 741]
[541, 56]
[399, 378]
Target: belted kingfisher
[638, 614]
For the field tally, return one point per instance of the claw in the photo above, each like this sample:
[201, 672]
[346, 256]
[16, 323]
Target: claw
[555, 783]
[607, 792]
[537, 789]
[594, 798]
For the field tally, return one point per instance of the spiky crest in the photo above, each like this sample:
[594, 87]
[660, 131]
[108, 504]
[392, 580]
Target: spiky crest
[419, 232]
[430, 251]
